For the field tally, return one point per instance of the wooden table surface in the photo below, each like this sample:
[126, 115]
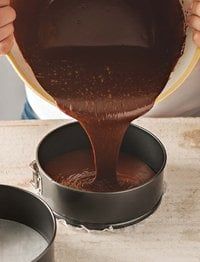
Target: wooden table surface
[170, 234]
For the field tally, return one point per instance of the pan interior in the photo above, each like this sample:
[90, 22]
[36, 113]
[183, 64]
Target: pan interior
[19, 242]
[137, 143]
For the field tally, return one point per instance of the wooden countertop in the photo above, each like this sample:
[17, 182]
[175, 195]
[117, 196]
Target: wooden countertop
[171, 234]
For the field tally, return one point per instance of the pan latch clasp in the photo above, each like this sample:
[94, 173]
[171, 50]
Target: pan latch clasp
[36, 180]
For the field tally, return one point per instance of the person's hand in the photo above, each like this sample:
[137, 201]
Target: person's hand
[7, 17]
[194, 20]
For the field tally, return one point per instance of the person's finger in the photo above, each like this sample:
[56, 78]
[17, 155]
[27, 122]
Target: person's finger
[7, 15]
[4, 2]
[196, 38]
[6, 45]
[194, 22]
[6, 31]
[196, 8]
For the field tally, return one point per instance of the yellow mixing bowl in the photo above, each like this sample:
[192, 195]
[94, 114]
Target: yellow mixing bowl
[182, 70]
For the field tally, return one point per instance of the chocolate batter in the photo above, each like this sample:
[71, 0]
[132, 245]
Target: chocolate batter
[76, 169]
[104, 62]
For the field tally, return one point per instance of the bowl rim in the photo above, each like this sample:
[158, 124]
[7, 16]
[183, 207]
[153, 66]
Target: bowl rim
[160, 171]
[177, 84]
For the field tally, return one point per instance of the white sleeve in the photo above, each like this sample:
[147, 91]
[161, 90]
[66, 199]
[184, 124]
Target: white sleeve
[42, 108]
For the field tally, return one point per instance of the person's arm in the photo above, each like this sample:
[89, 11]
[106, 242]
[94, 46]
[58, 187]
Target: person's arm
[7, 17]
[194, 20]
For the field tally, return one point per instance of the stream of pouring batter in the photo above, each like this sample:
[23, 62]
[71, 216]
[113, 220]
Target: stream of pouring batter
[104, 62]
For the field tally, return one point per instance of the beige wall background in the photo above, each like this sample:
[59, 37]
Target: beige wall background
[12, 93]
